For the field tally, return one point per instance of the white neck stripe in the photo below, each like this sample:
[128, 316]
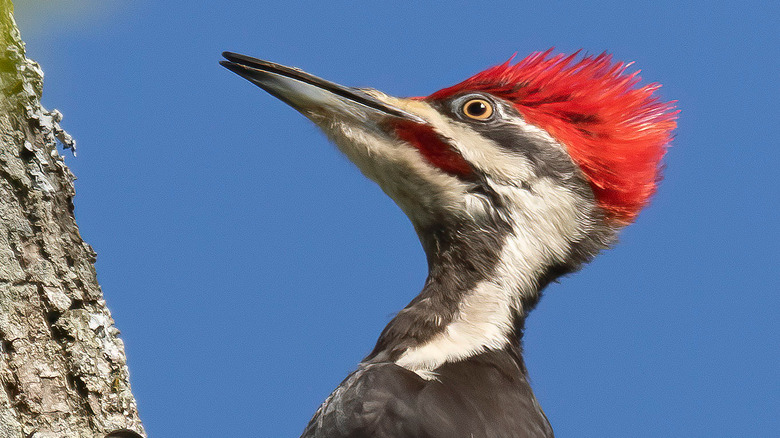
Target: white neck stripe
[486, 314]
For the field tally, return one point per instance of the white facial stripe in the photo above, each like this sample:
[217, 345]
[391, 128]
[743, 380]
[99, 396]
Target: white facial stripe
[538, 132]
[546, 222]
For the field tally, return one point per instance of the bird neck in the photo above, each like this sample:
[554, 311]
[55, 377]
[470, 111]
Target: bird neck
[482, 282]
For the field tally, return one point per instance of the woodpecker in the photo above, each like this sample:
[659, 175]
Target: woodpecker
[512, 178]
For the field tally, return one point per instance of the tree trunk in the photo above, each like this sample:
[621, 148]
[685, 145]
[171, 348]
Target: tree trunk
[62, 365]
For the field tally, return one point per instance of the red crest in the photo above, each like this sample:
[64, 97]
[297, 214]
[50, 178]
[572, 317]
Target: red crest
[615, 131]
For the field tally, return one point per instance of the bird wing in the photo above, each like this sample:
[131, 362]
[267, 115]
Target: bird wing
[485, 396]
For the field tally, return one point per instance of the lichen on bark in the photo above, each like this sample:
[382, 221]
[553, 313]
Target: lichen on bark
[63, 369]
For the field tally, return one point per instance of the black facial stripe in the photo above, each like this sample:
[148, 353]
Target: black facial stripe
[551, 161]
[547, 159]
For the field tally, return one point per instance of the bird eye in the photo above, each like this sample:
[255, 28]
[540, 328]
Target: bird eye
[479, 109]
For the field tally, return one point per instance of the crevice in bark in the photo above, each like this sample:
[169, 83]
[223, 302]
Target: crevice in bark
[12, 390]
[7, 347]
[78, 384]
[26, 155]
[60, 335]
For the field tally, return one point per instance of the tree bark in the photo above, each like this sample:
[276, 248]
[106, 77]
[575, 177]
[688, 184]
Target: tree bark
[62, 365]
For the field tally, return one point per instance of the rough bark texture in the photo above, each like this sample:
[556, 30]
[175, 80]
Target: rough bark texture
[62, 365]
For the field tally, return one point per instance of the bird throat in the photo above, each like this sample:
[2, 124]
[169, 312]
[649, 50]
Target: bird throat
[482, 282]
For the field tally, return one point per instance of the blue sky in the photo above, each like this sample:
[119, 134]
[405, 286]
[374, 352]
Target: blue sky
[250, 267]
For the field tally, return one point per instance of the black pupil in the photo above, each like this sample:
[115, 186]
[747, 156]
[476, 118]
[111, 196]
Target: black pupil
[476, 108]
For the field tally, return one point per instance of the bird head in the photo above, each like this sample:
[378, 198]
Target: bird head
[538, 163]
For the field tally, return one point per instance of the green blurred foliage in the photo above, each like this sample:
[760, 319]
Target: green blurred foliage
[44, 16]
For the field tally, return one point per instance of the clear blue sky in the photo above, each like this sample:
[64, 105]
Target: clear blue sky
[250, 267]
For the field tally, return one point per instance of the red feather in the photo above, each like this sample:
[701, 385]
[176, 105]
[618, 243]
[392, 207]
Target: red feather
[433, 148]
[616, 132]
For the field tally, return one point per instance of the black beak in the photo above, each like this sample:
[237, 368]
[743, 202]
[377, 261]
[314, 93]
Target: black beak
[304, 92]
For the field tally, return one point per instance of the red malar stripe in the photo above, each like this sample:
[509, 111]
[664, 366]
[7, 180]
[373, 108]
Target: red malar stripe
[433, 148]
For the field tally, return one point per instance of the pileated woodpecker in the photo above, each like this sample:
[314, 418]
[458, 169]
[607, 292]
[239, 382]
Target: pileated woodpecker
[512, 178]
